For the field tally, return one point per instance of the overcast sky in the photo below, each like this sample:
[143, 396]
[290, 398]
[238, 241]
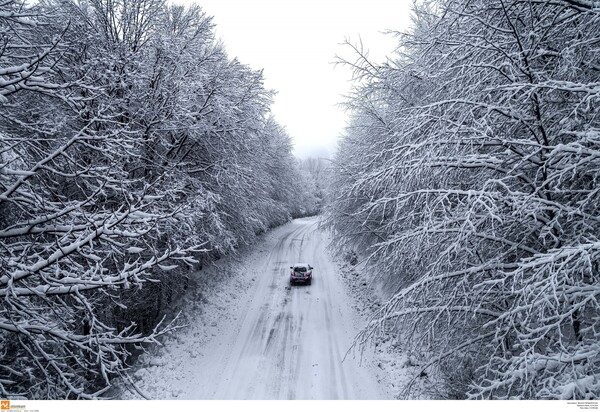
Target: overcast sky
[295, 42]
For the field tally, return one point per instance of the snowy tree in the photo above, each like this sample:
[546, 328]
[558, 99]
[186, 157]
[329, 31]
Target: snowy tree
[131, 147]
[317, 173]
[469, 175]
[76, 226]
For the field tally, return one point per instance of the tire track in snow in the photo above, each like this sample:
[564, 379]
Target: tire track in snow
[288, 342]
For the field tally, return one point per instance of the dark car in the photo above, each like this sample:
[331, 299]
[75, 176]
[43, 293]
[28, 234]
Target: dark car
[301, 273]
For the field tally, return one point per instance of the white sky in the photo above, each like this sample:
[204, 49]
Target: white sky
[295, 42]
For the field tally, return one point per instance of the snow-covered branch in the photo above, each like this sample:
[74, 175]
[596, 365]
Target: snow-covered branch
[469, 181]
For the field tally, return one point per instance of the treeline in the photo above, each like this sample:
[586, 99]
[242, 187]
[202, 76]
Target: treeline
[469, 179]
[132, 149]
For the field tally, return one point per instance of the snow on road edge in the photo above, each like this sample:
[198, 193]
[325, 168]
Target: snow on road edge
[395, 367]
[208, 310]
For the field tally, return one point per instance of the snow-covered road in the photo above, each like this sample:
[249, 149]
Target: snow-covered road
[280, 342]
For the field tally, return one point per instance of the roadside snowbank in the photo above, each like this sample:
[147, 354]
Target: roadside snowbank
[397, 366]
[209, 308]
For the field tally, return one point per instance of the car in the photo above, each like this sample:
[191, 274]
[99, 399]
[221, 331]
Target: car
[301, 272]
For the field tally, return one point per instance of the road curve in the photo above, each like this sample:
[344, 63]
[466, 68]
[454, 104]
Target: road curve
[288, 342]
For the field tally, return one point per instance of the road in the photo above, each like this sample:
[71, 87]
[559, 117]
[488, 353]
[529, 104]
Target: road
[286, 342]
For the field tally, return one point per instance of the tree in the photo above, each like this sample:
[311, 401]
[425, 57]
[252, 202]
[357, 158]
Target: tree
[79, 227]
[317, 174]
[476, 198]
[132, 149]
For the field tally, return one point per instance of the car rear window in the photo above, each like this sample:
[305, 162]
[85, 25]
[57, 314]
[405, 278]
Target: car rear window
[300, 269]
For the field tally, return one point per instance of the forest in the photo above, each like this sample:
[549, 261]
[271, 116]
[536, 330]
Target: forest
[133, 150]
[468, 181]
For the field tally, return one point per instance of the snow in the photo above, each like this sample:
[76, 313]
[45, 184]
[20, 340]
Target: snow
[167, 268]
[134, 249]
[573, 390]
[398, 367]
[253, 336]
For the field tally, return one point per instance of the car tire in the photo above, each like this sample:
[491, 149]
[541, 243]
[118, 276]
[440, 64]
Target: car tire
[309, 282]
